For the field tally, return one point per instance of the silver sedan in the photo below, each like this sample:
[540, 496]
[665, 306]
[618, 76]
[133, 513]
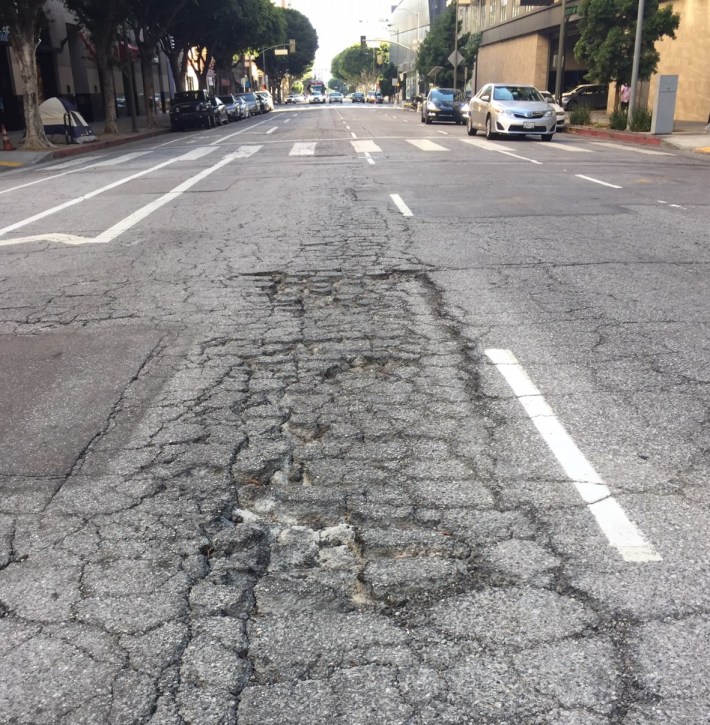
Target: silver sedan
[511, 110]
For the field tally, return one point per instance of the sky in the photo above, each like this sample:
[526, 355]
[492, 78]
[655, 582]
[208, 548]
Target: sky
[340, 23]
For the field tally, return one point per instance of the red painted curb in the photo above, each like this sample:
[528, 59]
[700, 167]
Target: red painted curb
[625, 136]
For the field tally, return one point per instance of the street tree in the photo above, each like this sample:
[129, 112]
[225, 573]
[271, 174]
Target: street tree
[436, 48]
[608, 32]
[299, 61]
[358, 66]
[102, 19]
[151, 21]
[23, 19]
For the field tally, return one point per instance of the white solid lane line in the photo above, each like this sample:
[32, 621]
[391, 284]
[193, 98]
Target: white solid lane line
[598, 181]
[633, 149]
[426, 145]
[620, 531]
[490, 146]
[397, 199]
[303, 149]
[119, 228]
[117, 160]
[90, 195]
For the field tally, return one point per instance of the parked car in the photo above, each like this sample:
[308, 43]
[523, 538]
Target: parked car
[358, 97]
[511, 110]
[590, 95]
[267, 102]
[233, 107]
[291, 98]
[253, 103]
[242, 107]
[335, 97]
[220, 110]
[190, 109]
[561, 116]
[444, 104]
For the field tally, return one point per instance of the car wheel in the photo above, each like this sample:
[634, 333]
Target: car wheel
[546, 137]
[489, 129]
[470, 130]
[428, 121]
[571, 105]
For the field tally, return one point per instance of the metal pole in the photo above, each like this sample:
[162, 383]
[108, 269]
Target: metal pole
[559, 70]
[456, 40]
[635, 66]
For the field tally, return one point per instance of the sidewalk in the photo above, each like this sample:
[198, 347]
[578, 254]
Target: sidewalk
[686, 136]
[17, 159]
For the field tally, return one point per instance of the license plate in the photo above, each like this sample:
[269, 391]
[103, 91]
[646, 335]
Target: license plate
[528, 124]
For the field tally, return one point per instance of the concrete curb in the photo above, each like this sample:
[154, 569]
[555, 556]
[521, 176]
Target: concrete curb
[644, 139]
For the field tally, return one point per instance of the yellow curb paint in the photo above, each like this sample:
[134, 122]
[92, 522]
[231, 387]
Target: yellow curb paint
[19, 163]
[704, 150]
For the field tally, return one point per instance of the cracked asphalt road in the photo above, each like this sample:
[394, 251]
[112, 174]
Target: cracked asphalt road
[255, 467]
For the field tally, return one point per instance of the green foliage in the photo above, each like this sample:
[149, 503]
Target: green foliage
[580, 116]
[618, 120]
[298, 27]
[359, 67]
[386, 75]
[336, 84]
[437, 47]
[640, 119]
[468, 47]
[608, 30]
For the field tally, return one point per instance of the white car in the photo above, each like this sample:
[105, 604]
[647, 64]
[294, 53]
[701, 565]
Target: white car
[316, 98]
[558, 109]
[335, 97]
[511, 109]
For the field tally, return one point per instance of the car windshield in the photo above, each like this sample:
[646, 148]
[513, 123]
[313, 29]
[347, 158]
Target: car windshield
[446, 94]
[516, 93]
[188, 96]
[226, 99]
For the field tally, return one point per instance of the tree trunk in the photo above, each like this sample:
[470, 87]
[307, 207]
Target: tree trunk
[109, 86]
[23, 43]
[146, 53]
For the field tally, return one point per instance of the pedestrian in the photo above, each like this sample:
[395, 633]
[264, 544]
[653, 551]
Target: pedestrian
[625, 96]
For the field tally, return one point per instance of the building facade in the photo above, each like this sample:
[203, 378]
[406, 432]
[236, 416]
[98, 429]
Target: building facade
[66, 68]
[520, 44]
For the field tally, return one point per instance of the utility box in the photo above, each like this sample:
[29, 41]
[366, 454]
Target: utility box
[664, 105]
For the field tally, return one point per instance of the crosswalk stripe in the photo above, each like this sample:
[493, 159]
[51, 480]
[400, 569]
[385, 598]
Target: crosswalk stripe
[244, 152]
[567, 146]
[197, 153]
[426, 145]
[303, 149]
[366, 147]
[121, 159]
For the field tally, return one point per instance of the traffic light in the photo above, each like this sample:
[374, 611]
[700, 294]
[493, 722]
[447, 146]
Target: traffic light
[291, 45]
[363, 42]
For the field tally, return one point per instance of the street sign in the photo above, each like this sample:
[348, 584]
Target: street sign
[281, 51]
[455, 58]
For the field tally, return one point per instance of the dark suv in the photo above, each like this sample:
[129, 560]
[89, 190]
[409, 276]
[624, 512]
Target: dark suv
[358, 97]
[592, 96]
